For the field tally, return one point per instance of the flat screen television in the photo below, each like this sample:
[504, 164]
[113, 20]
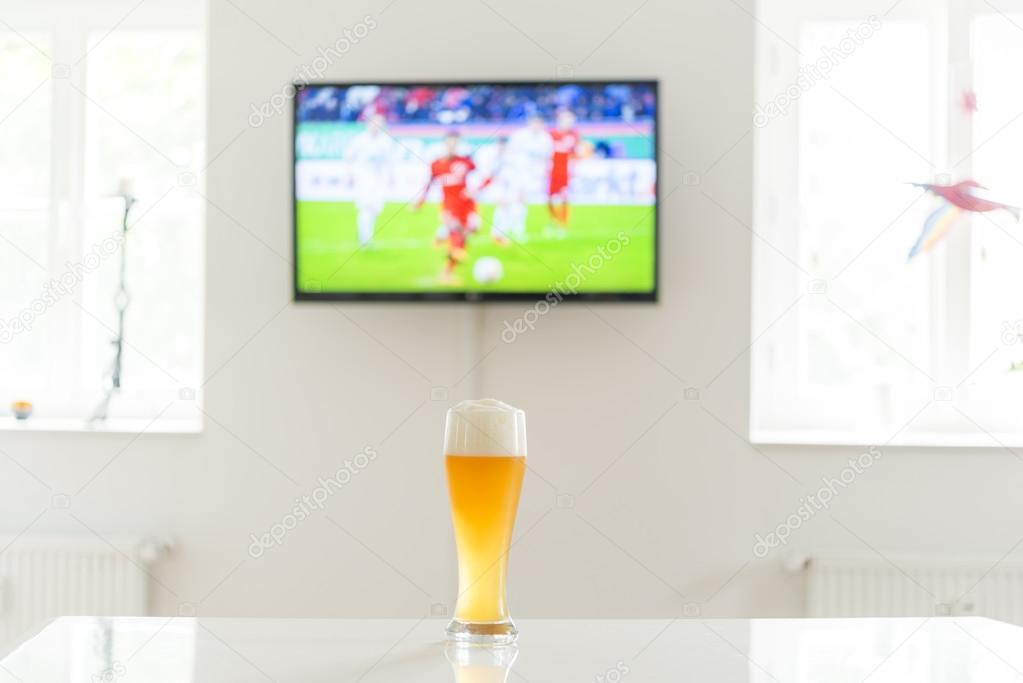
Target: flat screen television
[476, 191]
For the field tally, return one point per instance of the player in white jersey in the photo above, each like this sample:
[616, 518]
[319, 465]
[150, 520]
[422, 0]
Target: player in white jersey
[371, 155]
[530, 151]
[509, 192]
[520, 170]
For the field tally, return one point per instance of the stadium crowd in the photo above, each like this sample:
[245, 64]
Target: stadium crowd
[476, 104]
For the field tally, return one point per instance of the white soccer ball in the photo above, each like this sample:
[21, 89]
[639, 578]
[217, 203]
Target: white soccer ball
[487, 270]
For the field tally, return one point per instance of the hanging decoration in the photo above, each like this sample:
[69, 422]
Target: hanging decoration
[966, 196]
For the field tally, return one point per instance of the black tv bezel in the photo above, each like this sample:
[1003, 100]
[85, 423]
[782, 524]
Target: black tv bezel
[477, 297]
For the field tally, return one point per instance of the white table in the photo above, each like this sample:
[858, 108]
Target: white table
[157, 650]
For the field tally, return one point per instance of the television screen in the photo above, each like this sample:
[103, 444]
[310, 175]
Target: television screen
[476, 191]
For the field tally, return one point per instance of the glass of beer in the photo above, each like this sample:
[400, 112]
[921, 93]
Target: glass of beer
[485, 459]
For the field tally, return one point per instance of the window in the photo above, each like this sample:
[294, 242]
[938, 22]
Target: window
[854, 341]
[99, 97]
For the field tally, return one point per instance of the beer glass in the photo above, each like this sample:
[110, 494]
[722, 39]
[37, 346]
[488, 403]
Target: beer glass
[485, 459]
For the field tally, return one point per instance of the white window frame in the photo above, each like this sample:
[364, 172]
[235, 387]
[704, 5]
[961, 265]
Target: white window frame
[779, 288]
[70, 25]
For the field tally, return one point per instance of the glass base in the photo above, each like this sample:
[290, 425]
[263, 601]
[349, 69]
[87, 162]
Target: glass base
[482, 633]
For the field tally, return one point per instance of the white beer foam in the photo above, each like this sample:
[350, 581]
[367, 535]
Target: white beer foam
[485, 427]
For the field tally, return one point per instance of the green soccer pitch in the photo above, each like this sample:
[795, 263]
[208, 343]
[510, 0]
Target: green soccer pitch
[403, 257]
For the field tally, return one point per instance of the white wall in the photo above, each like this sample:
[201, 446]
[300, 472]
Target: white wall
[679, 497]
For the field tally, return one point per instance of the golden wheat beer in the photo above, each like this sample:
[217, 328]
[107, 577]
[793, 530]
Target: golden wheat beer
[485, 459]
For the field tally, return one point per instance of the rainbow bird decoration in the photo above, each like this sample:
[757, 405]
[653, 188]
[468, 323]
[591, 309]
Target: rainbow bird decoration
[935, 227]
[963, 197]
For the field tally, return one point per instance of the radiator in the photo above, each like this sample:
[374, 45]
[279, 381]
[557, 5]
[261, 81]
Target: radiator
[45, 577]
[913, 585]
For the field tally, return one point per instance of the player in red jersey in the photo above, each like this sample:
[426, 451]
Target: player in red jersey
[565, 141]
[458, 208]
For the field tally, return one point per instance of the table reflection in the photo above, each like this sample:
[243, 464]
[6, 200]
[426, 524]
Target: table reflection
[164, 650]
[481, 664]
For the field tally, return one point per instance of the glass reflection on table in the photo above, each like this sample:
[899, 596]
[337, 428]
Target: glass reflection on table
[481, 664]
[226, 650]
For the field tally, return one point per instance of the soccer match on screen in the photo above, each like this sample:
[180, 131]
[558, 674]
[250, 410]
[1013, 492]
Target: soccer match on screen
[499, 189]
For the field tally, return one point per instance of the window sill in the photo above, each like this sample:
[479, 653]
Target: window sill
[1001, 440]
[118, 426]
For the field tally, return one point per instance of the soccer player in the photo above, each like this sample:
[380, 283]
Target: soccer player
[371, 154]
[458, 208]
[565, 140]
[524, 165]
[531, 148]
[509, 196]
